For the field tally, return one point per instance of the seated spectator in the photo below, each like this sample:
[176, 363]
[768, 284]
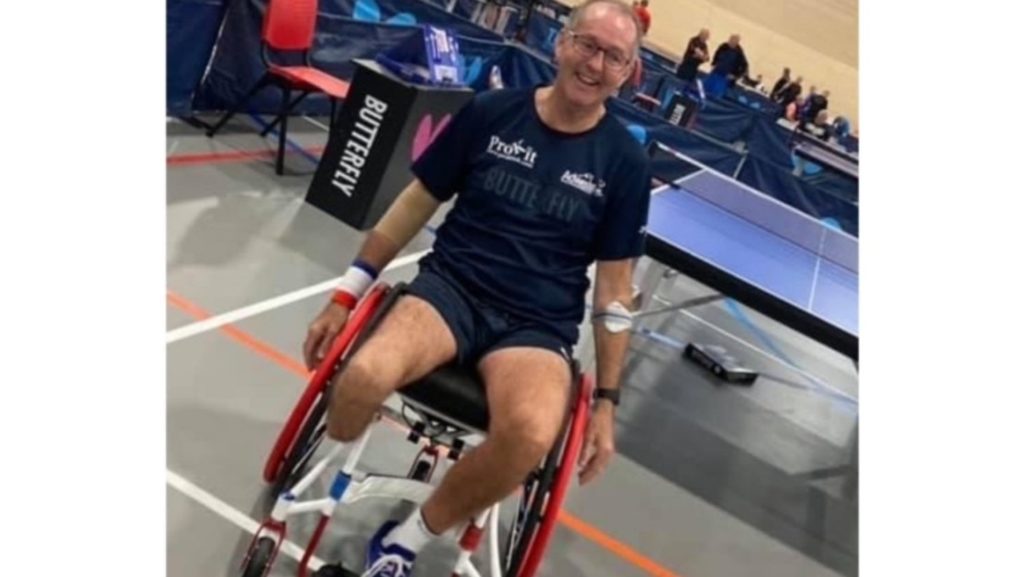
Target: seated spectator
[819, 127]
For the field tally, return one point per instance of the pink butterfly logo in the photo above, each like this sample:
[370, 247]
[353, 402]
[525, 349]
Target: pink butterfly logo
[426, 132]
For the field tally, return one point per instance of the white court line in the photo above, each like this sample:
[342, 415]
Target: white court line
[817, 269]
[199, 327]
[243, 521]
[316, 123]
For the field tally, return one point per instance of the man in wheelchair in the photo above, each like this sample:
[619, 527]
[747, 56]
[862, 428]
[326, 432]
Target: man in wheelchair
[545, 182]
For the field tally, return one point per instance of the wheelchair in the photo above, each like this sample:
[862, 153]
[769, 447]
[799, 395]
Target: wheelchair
[447, 406]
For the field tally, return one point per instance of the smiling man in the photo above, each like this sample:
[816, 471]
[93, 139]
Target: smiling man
[546, 182]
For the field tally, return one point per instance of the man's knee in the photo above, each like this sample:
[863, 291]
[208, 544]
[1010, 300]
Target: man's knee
[358, 391]
[526, 438]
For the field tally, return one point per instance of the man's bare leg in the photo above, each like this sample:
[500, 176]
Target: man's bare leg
[527, 396]
[410, 342]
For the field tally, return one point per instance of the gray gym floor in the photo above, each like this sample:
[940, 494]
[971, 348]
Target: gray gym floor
[711, 480]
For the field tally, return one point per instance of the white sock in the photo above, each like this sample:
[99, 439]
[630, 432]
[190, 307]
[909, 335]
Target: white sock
[413, 534]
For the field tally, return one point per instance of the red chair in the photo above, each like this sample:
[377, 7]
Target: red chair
[288, 27]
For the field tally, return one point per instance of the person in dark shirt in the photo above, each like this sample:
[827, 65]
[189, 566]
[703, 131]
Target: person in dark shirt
[545, 182]
[817, 103]
[790, 92]
[728, 64]
[819, 126]
[781, 83]
[696, 53]
[804, 112]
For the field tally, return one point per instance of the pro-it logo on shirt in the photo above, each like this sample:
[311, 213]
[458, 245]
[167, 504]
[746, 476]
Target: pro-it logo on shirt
[586, 183]
[515, 152]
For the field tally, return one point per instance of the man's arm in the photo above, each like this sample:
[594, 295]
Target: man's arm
[613, 283]
[404, 218]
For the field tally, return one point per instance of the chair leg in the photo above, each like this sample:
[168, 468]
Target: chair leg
[264, 81]
[285, 98]
[291, 107]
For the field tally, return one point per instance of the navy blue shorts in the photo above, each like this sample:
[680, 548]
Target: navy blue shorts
[480, 328]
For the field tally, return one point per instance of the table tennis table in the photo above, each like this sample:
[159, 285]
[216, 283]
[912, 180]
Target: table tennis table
[756, 250]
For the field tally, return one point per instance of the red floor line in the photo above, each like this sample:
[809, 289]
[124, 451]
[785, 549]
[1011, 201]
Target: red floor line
[233, 156]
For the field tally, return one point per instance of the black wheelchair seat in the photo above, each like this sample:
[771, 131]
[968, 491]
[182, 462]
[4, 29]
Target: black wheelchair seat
[451, 393]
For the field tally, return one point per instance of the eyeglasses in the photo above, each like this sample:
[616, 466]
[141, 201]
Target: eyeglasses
[587, 46]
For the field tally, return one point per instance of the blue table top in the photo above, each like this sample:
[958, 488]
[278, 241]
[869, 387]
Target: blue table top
[786, 259]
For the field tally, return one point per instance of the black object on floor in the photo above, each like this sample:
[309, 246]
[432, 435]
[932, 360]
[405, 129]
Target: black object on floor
[718, 362]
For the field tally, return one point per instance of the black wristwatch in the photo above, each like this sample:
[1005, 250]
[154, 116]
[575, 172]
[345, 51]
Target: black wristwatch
[610, 394]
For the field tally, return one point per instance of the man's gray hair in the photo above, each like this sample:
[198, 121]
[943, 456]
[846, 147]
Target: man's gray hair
[577, 15]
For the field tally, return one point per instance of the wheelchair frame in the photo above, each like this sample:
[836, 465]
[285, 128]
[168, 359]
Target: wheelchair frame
[540, 499]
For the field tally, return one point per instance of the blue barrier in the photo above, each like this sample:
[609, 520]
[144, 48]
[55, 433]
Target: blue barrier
[192, 27]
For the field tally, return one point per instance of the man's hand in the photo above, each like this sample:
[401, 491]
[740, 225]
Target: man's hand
[322, 333]
[598, 443]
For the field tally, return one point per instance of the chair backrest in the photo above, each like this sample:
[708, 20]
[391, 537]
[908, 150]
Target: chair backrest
[289, 24]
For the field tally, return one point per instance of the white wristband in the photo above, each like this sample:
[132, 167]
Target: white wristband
[355, 282]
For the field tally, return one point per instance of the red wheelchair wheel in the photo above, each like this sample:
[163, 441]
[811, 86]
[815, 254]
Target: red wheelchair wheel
[284, 444]
[548, 491]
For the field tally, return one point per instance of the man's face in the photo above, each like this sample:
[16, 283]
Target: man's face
[597, 57]
[734, 40]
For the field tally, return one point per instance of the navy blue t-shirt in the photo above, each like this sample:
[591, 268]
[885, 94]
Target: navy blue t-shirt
[535, 206]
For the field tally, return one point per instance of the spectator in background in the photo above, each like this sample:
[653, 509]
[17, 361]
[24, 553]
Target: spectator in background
[818, 102]
[804, 112]
[781, 83]
[819, 127]
[790, 92]
[728, 65]
[643, 14]
[696, 53]
[752, 83]
[792, 110]
[840, 129]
